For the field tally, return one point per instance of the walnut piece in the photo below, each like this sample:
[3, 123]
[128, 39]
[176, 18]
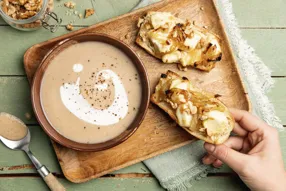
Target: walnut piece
[69, 27]
[21, 9]
[24, 9]
[70, 4]
[89, 12]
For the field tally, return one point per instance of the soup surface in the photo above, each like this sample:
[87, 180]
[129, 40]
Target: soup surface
[11, 128]
[91, 92]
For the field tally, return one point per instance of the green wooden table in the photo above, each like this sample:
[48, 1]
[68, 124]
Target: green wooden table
[262, 24]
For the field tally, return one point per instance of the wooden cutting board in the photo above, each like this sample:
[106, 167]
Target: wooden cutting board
[157, 134]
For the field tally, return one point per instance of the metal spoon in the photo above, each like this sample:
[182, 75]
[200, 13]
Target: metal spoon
[23, 145]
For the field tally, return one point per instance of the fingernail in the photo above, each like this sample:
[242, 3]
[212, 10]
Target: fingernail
[209, 147]
[204, 160]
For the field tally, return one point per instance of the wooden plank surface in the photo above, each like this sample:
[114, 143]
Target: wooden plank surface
[119, 184]
[255, 13]
[16, 162]
[104, 9]
[278, 97]
[17, 90]
[11, 60]
[15, 98]
[270, 49]
[264, 19]
[249, 13]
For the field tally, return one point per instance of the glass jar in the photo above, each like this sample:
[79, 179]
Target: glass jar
[45, 17]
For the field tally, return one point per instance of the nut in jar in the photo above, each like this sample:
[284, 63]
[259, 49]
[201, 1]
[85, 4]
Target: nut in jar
[29, 14]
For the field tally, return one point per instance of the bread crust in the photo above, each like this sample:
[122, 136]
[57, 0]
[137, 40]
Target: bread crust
[165, 106]
[205, 63]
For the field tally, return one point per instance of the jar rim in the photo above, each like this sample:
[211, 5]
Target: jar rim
[29, 20]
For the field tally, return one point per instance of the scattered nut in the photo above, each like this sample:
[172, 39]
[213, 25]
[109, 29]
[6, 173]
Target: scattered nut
[202, 8]
[69, 4]
[28, 116]
[205, 27]
[80, 16]
[69, 27]
[89, 12]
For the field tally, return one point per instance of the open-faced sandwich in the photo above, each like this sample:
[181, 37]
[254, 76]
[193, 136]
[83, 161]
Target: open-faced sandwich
[200, 113]
[174, 40]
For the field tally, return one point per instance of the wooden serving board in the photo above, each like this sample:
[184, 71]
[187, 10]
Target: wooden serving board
[158, 133]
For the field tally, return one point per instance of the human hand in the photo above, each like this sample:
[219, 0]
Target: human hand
[254, 154]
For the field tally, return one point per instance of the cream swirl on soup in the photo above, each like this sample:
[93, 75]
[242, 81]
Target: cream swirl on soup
[91, 92]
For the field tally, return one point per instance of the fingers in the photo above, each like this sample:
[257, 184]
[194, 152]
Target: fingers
[235, 143]
[217, 163]
[208, 159]
[248, 121]
[227, 155]
[238, 130]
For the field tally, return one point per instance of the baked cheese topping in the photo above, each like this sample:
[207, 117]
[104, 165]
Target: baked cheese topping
[178, 41]
[190, 104]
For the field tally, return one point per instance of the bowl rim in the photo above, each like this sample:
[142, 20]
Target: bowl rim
[37, 81]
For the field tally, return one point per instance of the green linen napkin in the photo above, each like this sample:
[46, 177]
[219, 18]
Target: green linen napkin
[177, 169]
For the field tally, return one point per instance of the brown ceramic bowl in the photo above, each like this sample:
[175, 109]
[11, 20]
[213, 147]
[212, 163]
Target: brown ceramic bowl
[36, 87]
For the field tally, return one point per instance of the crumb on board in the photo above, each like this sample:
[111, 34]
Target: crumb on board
[202, 8]
[89, 12]
[127, 36]
[182, 68]
[69, 27]
[80, 15]
[205, 27]
[70, 4]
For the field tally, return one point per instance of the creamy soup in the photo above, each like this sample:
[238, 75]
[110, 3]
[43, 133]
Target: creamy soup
[91, 92]
[12, 128]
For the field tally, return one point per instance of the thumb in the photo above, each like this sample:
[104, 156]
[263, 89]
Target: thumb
[232, 158]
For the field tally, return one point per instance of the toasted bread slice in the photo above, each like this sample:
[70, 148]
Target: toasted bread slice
[174, 40]
[195, 110]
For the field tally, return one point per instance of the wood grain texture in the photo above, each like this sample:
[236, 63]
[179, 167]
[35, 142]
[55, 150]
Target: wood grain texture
[17, 162]
[159, 134]
[15, 98]
[270, 46]
[120, 184]
[248, 14]
[104, 9]
[11, 60]
[256, 14]
[277, 96]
